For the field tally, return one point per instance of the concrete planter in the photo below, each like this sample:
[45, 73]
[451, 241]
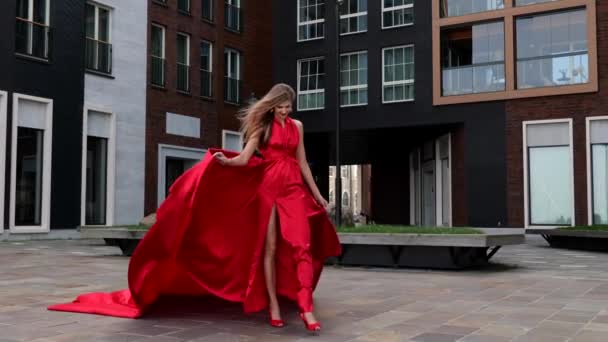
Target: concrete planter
[441, 251]
[573, 239]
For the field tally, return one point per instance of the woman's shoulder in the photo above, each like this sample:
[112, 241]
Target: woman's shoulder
[298, 123]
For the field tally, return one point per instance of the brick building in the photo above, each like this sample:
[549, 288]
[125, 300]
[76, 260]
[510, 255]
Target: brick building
[205, 59]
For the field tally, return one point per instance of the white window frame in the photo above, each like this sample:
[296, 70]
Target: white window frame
[163, 42]
[96, 24]
[47, 21]
[226, 133]
[211, 11]
[353, 15]
[439, 184]
[405, 82]
[589, 166]
[189, 10]
[229, 65]
[525, 125]
[356, 87]
[187, 48]
[306, 23]
[210, 55]
[3, 143]
[307, 92]
[165, 151]
[110, 166]
[394, 8]
[30, 12]
[45, 214]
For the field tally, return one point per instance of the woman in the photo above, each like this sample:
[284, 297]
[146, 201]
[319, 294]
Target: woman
[232, 218]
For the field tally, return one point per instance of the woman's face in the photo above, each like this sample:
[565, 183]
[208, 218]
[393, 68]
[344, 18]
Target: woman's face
[282, 110]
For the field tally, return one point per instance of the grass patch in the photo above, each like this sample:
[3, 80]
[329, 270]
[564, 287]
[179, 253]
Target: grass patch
[595, 228]
[408, 230]
[133, 227]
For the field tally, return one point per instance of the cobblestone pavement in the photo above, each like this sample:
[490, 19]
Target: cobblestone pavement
[532, 293]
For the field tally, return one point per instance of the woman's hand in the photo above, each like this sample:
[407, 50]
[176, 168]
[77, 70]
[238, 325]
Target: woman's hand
[321, 201]
[220, 157]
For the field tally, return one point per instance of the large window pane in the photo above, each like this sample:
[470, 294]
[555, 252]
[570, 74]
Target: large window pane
[397, 13]
[599, 157]
[473, 59]
[28, 196]
[311, 19]
[353, 79]
[311, 85]
[398, 74]
[552, 50]
[96, 183]
[550, 189]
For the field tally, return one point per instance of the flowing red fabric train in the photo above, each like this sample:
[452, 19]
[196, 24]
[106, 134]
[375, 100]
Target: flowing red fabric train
[209, 236]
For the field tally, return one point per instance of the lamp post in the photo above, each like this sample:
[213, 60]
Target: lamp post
[338, 176]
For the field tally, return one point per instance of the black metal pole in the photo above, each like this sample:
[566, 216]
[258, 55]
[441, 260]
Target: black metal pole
[338, 174]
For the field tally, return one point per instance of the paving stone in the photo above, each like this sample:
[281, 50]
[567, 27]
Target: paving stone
[538, 301]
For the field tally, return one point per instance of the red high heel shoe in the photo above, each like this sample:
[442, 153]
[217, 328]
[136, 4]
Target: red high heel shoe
[277, 323]
[314, 327]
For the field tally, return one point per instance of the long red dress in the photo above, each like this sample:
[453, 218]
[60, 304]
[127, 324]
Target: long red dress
[210, 232]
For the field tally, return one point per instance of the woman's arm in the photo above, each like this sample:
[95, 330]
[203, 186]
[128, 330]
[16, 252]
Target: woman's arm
[301, 156]
[243, 158]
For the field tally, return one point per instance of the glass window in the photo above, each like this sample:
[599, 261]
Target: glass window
[232, 76]
[28, 196]
[97, 30]
[599, 170]
[96, 181]
[206, 79]
[452, 8]
[158, 55]
[552, 49]
[398, 74]
[353, 16]
[472, 59]
[397, 13]
[232, 14]
[353, 79]
[207, 10]
[549, 174]
[32, 28]
[183, 5]
[183, 62]
[311, 84]
[311, 19]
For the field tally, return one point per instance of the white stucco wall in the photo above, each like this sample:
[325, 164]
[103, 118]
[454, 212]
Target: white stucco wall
[125, 97]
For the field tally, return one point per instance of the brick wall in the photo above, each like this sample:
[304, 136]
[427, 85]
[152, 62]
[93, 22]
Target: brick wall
[577, 107]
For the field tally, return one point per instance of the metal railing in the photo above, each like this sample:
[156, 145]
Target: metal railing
[32, 39]
[232, 17]
[98, 55]
[206, 83]
[158, 71]
[232, 90]
[183, 79]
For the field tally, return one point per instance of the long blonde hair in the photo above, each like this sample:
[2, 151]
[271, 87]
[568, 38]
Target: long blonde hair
[257, 118]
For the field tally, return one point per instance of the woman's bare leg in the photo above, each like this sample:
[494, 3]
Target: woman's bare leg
[269, 264]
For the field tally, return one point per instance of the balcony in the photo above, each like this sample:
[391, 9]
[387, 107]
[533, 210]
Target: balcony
[473, 79]
[232, 90]
[206, 83]
[32, 39]
[232, 17]
[183, 77]
[98, 56]
[158, 71]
